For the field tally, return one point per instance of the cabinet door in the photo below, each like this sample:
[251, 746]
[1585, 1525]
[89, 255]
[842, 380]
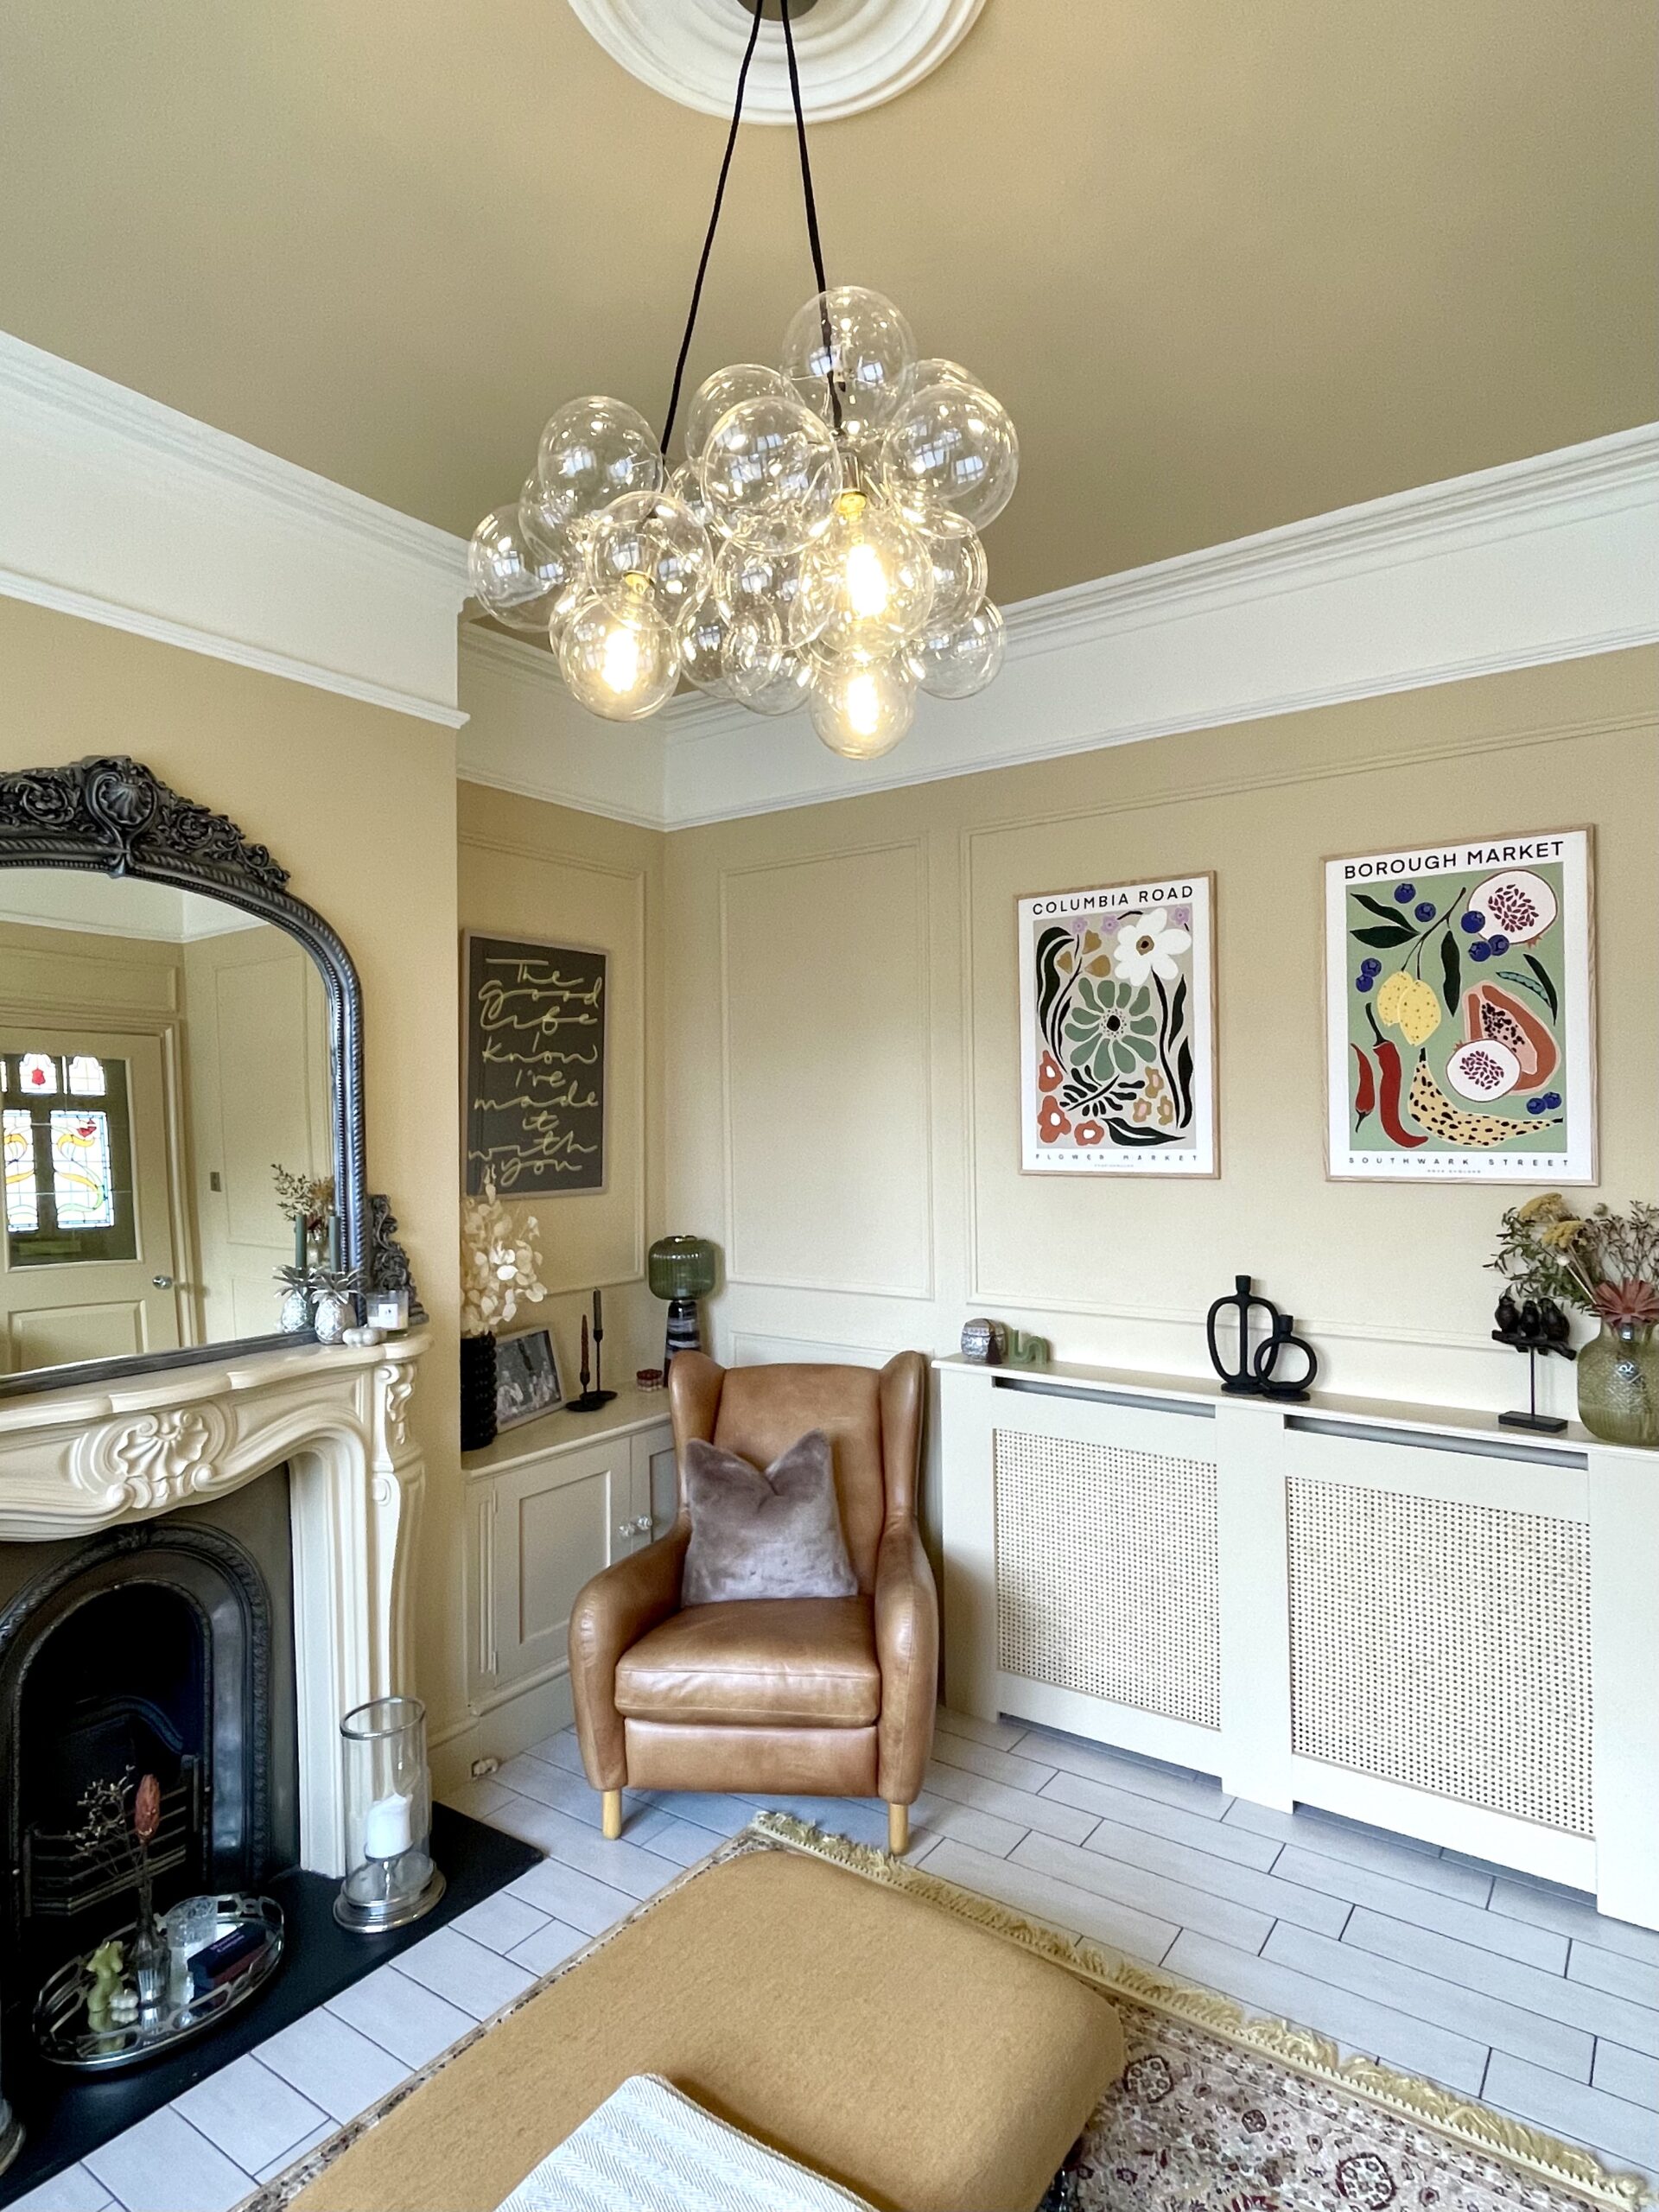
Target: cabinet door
[553, 1523]
[656, 1480]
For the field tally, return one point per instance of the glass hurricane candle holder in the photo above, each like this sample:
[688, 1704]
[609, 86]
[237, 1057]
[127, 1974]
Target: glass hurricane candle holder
[389, 1876]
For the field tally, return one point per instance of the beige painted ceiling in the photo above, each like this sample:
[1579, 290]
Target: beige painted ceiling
[1229, 261]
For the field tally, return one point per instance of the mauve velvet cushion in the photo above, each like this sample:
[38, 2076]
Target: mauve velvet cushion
[776, 1534]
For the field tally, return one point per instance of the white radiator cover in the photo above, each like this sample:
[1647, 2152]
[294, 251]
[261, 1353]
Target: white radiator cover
[1444, 1645]
[1407, 1615]
[1106, 1572]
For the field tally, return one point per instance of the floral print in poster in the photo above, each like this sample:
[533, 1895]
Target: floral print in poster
[1460, 1021]
[1117, 1030]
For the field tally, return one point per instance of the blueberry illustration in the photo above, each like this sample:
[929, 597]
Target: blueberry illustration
[1538, 1105]
[1471, 923]
[1480, 949]
[1425, 912]
[1497, 944]
[1405, 893]
[1554, 1100]
[1362, 982]
[1370, 966]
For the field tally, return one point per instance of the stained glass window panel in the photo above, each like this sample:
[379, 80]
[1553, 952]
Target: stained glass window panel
[37, 1072]
[85, 1076]
[22, 1201]
[81, 1181]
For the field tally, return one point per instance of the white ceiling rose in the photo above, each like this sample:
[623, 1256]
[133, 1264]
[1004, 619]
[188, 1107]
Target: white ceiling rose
[853, 54]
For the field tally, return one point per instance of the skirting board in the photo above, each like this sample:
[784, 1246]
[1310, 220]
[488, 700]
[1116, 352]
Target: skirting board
[520, 1720]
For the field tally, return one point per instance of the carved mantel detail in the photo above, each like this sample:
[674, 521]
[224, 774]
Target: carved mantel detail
[73, 1462]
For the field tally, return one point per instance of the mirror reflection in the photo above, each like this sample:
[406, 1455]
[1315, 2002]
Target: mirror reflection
[162, 1055]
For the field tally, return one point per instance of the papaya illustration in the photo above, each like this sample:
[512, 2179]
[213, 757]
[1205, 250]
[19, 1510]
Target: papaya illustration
[1408, 1004]
[1491, 1016]
[1433, 1110]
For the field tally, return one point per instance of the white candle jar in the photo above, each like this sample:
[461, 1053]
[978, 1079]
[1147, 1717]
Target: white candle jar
[390, 1876]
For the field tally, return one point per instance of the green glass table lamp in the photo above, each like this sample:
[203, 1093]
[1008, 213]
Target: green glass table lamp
[682, 1270]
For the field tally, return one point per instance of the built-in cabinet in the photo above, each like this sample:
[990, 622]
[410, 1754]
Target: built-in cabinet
[551, 1504]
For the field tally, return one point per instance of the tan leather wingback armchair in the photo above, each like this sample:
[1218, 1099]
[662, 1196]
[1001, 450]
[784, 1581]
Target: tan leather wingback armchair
[823, 1696]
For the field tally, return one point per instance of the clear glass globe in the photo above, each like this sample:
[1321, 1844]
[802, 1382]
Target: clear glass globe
[960, 575]
[787, 687]
[649, 535]
[936, 369]
[861, 708]
[717, 394]
[686, 485]
[952, 451]
[622, 665]
[955, 663]
[850, 354]
[866, 585]
[771, 471]
[748, 577]
[592, 451]
[754, 656]
[702, 641]
[522, 586]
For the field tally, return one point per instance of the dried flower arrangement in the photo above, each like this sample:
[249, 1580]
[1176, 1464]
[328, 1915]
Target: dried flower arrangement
[499, 1263]
[1602, 1263]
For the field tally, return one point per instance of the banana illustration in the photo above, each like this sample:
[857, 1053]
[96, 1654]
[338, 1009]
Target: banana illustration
[1433, 1110]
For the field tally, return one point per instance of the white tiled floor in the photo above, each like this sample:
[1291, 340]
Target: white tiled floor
[1508, 1989]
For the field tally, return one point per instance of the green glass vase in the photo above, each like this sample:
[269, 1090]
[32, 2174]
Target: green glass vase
[1618, 1384]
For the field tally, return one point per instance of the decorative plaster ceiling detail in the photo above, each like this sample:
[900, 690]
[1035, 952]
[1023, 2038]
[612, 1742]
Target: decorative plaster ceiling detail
[853, 54]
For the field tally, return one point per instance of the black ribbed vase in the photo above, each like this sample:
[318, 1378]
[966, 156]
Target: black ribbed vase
[477, 1392]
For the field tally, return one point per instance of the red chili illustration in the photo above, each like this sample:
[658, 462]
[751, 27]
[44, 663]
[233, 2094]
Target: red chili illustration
[1365, 1089]
[1388, 1059]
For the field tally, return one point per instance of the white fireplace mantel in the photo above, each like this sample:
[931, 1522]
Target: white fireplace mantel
[75, 1461]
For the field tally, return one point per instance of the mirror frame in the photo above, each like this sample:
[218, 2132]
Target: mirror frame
[110, 814]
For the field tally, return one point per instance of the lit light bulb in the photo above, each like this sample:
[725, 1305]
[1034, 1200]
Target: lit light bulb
[866, 585]
[861, 708]
[620, 658]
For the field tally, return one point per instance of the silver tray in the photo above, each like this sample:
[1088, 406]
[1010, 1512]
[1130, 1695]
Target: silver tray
[64, 2038]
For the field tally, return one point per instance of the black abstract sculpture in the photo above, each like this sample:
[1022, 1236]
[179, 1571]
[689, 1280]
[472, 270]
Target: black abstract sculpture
[1537, 1328]
[1258, 1373]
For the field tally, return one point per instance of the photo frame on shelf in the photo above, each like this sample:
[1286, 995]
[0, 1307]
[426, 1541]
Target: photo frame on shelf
[526, 1377]
[535, 1023]
[1460, 1033]
[1117, 1029]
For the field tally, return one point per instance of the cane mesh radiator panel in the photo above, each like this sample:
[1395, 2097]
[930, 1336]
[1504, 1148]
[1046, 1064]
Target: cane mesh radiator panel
[1106, 1573]
[1443, 1645]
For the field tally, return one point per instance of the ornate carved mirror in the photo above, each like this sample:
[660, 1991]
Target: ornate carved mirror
[175, 1028]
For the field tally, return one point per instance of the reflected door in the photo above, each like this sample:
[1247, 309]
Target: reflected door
[86, 1262]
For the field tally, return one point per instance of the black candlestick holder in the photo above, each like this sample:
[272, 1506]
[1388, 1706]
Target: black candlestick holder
[1538, 1328]
[591, 1401]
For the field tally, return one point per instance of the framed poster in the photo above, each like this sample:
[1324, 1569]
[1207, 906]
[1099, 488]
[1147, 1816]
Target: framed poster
[1460, 1011]
[535, 1019]
[1117, 1030]
[526, 1377]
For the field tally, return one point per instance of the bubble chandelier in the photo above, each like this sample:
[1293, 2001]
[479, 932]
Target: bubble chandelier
[817, 546]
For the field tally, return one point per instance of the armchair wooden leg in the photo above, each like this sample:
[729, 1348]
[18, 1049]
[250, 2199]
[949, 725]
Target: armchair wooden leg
[898, 1830]
[610, 1819]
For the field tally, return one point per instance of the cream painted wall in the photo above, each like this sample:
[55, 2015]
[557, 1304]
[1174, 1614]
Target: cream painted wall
[841, 1002]
[537, 871]
[359, 802]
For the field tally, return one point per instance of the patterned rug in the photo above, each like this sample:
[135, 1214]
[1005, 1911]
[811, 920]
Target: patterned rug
[1217, 2111]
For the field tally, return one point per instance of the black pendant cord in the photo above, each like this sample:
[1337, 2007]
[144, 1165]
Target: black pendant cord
[810, 197]
[713, 225]
[813, 239]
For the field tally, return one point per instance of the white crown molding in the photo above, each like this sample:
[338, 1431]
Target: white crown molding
[120, 511]
[852, 54]
[1551, 558]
